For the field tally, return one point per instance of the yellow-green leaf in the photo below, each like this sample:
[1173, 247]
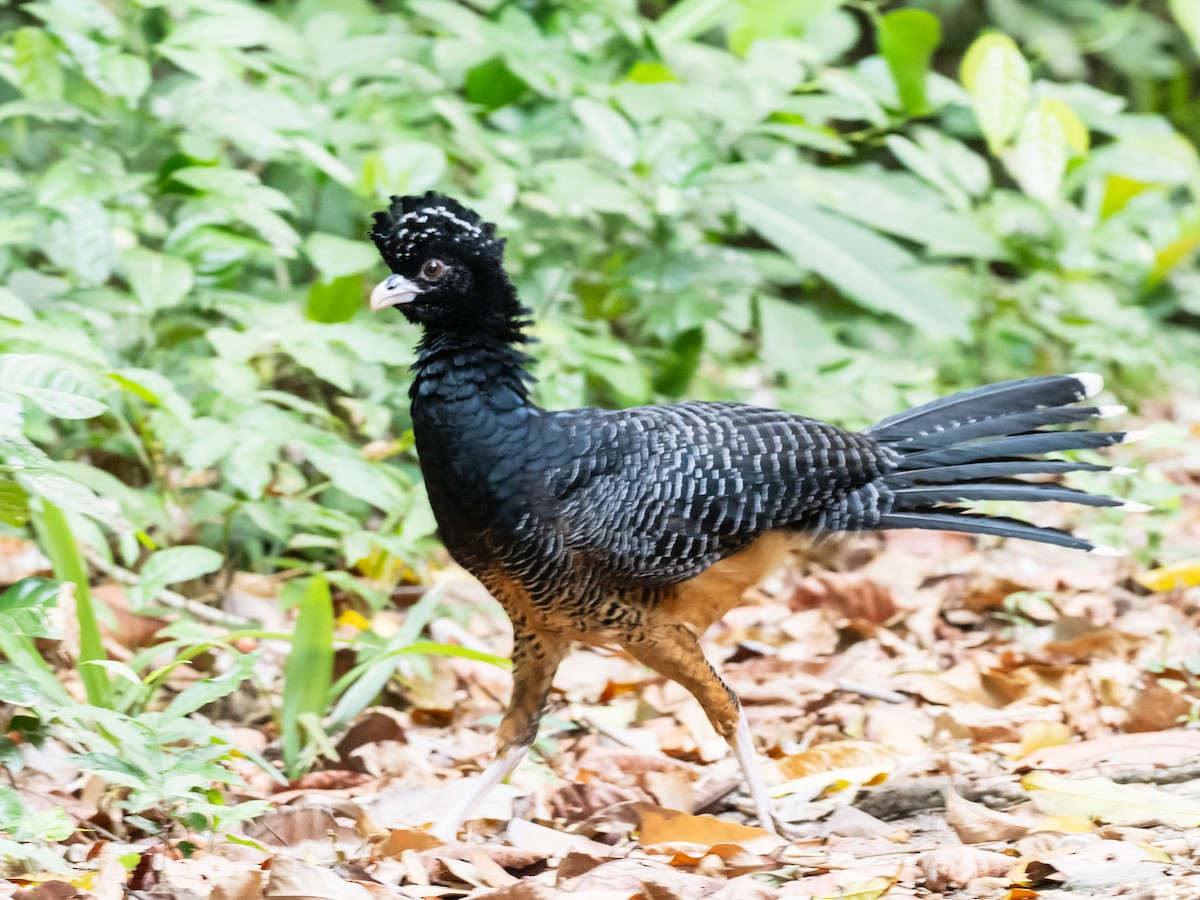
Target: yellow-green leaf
[1169, 578]
[996, 75]
[1040, 158]
[1074, 130]
[1107, 801]
[1173, 253]
[1118, 191]
[1187, 14]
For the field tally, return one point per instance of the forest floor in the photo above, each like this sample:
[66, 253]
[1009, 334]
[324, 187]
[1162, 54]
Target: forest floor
[943, 717]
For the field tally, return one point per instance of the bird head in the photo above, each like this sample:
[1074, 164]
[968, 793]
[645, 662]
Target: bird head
[447, 268]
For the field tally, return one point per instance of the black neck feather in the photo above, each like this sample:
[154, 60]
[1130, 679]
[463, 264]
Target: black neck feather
[452, 366]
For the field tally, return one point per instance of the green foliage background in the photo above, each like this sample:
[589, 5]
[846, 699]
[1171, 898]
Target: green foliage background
[827, 206]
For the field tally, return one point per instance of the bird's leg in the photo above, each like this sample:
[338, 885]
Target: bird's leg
[673, 651]
[447, 826]
[747, 757]
[534, 663]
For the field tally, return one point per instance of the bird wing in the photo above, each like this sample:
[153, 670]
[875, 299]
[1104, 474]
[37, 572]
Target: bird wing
[654, 495]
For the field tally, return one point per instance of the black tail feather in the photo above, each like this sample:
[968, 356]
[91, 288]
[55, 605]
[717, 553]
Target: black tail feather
[974, 446]
[974, 523]
[997, 468]
[1035, 443]
[1000, 399]
[1003, 426]
[1029, 492]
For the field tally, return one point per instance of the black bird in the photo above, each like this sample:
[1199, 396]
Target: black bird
[639, 528]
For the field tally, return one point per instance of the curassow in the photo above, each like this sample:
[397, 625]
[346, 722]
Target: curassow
[639, 528]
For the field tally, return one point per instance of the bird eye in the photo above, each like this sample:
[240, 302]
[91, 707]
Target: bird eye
[433, 269]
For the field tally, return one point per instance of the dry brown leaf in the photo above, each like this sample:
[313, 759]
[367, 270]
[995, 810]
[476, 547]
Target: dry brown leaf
[131, 630]
[291, 826]
[575, 802]
[1081, 708]
[974, 823]
[668, 826]
[19, 559]
[901, 728]
[528, 890]
[401, 840]
[850, 595]
[955, 867]
[961, 684]
[1095, 866]
[1104, 643]
[376, 726]
[525, 835]
[672, 790]
[1157, 708]
[490, 871]
[823, 758]
[1119, 751]
[839, 881]
[330, 780]
[292, 879]
[809, 634]
[247, 885]
[851, 822]
[452, 870]
[629, 878]
[414, 869]
[614, 689]
[1039, 735]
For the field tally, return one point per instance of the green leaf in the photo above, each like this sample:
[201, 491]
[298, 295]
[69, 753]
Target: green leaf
[335, 301]
[16, 687]
[336, 256]
[13, 307]
[80, 241]
[127, 75]
[53, 384]
[309, 670]
[23, 607]
[208, 690]
[690, 18]
[867, 268]
[64, 492]
[997, 77]
[492, 85]
[608, 131]
[159, 280]
[14, 504]
[60, 545]
[907, 39]
[881, 202]
[1187, 14]
[172, 566]
[1039, 159]
[650, 73]
[35, 58]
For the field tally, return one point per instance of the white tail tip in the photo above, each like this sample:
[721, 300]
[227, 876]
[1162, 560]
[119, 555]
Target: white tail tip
[1131, 436]
[1107, 412]
[1122, 470]
[1106, 550]
[1093, 383]
[1134, 506]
